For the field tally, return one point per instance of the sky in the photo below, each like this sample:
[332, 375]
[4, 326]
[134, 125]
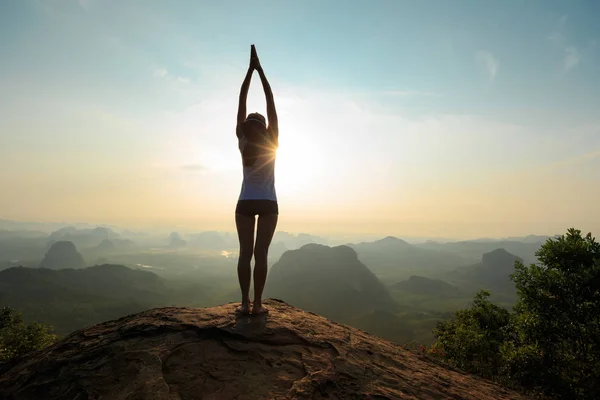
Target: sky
[455, 119]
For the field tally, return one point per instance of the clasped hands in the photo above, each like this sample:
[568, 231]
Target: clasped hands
[254, 61]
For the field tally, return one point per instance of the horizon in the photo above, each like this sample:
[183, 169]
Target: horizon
[473, 121]
[337, 238]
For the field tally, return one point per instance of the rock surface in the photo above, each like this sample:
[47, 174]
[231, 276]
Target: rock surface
[214, 354]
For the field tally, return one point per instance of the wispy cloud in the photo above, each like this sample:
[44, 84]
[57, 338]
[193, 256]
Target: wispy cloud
[160, 72]
[572, 55]
[489, 62]
[177, 83]
[572, 58]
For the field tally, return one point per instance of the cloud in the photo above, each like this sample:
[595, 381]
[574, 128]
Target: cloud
[489, 62]
[177, 83]
[572, 58]
[160, 72]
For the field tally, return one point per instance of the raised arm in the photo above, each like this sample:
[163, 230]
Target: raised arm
[271, 111]
[241, 115]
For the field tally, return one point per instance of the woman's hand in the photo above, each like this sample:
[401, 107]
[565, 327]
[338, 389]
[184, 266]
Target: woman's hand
[254, 61]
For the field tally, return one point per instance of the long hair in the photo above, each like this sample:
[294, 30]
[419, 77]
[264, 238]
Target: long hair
[254, 130]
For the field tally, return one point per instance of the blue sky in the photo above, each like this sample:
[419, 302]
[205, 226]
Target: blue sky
[414, 114]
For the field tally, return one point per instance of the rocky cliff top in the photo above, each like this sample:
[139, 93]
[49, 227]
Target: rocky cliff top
[214, 354]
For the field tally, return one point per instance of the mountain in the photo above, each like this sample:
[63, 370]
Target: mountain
[393, 259]
[106, 246]
[83, 237]
[277, 249]
[211, 240]
[62, 254]
[493, 272]
[426, 286]
[69, 299]
[186, 353]
[293, 241]
[330, 281]
[175, 241]
[41, 226]
[523, 247]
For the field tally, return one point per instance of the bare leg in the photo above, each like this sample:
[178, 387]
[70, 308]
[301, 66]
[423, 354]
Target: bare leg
[245, 229]
[264, 234]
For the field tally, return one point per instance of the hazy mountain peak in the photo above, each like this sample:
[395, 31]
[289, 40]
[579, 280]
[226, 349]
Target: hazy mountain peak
[62, 254]
[327, 280]
[391, 241]
[324, 249]
[499, 256]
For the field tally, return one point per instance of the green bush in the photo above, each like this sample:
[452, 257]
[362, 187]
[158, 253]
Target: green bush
[472, 340]
[17, 338]
[550, 342]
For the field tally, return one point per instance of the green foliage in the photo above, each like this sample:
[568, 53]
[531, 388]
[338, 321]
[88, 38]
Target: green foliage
[472, 340]
[550, 343]
[17, 338]
[558, 316]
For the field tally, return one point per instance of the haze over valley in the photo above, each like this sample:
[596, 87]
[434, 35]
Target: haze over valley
[72, 277]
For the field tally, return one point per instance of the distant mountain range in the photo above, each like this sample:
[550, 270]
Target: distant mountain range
[44, 226]
[525, 249]
[392, 259]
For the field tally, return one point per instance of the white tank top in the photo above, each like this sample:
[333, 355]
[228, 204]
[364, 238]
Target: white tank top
[259, 178]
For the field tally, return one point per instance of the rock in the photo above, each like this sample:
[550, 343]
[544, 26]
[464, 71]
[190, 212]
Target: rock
[214, 354]
[62, 254]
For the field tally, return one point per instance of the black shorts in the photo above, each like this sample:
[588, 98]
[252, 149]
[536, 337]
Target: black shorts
[252, 208]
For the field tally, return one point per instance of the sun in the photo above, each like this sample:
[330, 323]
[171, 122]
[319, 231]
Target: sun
[297, 167]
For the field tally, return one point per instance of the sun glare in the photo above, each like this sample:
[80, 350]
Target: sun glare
[297, 166]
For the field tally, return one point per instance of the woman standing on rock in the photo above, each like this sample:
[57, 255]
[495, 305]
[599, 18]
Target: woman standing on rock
[258, 144]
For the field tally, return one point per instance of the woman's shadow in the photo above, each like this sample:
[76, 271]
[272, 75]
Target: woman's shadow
[251, 324]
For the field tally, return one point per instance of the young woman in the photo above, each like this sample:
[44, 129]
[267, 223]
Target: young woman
[258, 142]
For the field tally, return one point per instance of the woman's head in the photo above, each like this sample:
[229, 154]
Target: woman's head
[255, 127]
[254, 130]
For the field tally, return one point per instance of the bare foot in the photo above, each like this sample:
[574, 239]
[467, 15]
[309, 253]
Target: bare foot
[243, 309]
[259, 309]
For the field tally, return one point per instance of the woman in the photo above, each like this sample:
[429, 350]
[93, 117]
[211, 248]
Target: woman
[258, 143]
